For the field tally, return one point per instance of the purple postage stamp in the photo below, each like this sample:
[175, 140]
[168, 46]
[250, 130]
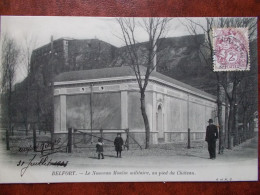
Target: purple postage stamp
[231, 49]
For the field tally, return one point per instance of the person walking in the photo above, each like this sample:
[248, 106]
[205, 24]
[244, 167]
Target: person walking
[118, 145]
[211, 137]
[99, 148]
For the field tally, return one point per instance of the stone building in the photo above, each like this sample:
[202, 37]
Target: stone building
[113, 96]
[72, 54]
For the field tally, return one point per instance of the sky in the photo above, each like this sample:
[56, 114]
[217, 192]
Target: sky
[41, 28]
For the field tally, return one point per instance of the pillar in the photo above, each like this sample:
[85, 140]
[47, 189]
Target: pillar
[188, 111]
[124, 110]
[63, 113]
[165, 111]
[154, 127]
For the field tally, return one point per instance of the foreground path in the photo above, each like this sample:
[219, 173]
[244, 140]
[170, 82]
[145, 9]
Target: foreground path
[238, 164]
[153, 157]
[246, 152]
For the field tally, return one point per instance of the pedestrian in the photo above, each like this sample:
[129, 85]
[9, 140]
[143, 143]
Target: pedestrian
[118, 145]
[211, 137]
[100, 149]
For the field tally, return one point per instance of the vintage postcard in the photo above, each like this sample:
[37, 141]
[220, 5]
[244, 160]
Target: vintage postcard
[98, 99]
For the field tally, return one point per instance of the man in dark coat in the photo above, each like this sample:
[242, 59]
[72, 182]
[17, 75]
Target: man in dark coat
[118, 144]
[211, 137]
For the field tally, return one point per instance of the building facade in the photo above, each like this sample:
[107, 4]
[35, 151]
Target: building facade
[112, 96]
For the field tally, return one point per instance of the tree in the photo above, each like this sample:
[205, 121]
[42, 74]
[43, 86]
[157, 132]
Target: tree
[155, 29]
[28, 47]
[228, 81]
[206, 52]
[231, 81]
[9, 61]
[248, 97]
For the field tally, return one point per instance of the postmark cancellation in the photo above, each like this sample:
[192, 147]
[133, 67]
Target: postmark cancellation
[231, 49]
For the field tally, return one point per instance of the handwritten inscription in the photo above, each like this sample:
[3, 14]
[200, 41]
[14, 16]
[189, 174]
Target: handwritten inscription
[42, 161]
[46, 149]
[43, 147]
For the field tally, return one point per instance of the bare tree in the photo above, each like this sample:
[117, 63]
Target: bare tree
[247, 100]
[232, 80]
[206, 52]
[155, 29]
[9, 61]
[28, 47]
[228, 81]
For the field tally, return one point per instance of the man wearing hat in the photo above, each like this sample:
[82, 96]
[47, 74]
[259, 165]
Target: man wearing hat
[211, 137]
[118, 145]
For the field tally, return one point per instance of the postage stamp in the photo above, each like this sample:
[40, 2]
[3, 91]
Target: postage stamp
[231, 49]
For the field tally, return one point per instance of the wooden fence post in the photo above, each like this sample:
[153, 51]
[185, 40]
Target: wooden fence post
[7, 140]
[34, 138]
[73, 138]
[69, 140]
[52, 140]
[39, 127]
[188, 138]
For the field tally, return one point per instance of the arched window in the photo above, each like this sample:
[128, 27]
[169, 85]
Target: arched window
[159, 121]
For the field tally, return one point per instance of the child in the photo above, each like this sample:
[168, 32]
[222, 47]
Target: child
[118, 145]
[99, 147]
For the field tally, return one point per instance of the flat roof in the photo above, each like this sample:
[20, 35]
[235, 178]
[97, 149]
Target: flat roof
[123, 71]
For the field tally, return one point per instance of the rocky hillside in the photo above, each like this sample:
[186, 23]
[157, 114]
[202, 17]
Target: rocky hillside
[90, 54]
[179, 58]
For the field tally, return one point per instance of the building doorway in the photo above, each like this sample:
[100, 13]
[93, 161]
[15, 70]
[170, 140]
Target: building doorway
[159, 122]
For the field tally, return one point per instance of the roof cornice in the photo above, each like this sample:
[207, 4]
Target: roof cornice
[126, 78]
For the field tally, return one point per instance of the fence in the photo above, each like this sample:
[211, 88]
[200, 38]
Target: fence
[46, 142]
[24, 140]
[183, 136]
[84, 138]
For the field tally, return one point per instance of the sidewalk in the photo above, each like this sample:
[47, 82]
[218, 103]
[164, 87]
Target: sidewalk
[193, 164]
[167, 155]
[173, 152]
